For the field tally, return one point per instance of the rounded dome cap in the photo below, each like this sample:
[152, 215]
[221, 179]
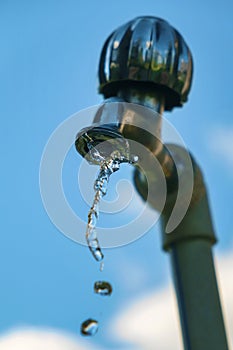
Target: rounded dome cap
[147, 50]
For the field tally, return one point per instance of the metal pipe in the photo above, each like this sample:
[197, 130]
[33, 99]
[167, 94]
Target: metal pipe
[197, 295]
[189, 246]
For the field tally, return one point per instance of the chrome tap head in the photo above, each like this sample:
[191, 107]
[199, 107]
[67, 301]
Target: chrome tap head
[147, 53]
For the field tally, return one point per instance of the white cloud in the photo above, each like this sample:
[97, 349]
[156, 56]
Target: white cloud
[221, 142]
[40, 339]
[152, 322]
[148, 323]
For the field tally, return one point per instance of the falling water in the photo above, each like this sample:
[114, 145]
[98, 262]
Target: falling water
[108, 166]
[102, 288]
[89, 327]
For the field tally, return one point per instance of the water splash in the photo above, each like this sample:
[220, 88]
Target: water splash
[103, 288]
[89, 327]
[108, 166]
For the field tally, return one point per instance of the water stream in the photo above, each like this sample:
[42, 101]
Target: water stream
[108, 165]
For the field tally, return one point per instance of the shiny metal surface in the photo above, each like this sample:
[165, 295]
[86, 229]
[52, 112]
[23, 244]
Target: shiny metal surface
[105, 132]
[148, 53]
[147, 63]
[143, 96]
[116, 121]
[131, 129]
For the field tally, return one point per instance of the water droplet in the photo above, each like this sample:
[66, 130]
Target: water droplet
[89, 327]
[103, 288]
[101, 266]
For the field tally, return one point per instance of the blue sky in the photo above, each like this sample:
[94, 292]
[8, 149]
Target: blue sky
[48, 67]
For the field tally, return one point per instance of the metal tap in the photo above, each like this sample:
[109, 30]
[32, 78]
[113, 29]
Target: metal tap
[146, 63]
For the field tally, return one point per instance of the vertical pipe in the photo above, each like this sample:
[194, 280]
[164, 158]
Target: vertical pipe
[189, 246]
[197, 295]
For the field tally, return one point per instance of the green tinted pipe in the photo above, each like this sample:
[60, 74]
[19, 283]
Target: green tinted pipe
[190, 248]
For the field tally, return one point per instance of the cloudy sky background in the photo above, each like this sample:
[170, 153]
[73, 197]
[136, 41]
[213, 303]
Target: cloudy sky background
[48, 65]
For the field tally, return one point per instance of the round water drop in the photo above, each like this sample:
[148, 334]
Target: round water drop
[89, 327]
[103, 288]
